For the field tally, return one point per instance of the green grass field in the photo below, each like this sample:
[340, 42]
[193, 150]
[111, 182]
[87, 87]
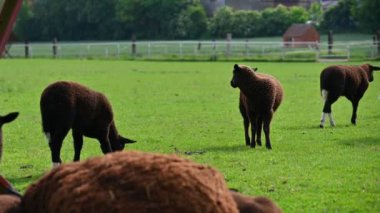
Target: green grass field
[190, 107]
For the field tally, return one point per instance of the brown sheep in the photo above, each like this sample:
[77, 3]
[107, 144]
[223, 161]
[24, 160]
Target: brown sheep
[9, 198]
[260, 96]
[5, 119]
[348, 81]
[68, 105]
[130, 182]
[260, 204]
[9, 204]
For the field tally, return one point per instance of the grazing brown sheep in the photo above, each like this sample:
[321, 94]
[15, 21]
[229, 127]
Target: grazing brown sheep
[130, 182]
[260, 96]
[248, 204]
[5, 119]
[348, 81]
[9, 197]
[68, 105]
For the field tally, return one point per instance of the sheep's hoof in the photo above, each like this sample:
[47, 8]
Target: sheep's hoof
[321, 126]
[259, 142]
[252, 146]
[268, 146]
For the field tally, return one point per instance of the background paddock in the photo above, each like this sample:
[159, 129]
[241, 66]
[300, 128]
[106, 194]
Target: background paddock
[189, 108]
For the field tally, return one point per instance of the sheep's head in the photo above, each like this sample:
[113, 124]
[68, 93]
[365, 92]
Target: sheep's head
[5, 119]
[121, 141]
[8, 118]
[370, 70]
[241, 73]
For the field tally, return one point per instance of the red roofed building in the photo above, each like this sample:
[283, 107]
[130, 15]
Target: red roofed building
[300, 33]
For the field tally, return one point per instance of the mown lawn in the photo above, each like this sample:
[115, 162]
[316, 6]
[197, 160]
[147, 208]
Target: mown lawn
[178, 107]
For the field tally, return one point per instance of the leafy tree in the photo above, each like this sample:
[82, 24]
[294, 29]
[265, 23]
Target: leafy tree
[316, 13]
[246, 23]
[367, 12]
[151, 18]
[340, 18]
[222, 22]
[73, 20]
[24, 22]
[275, 21]
[191, 23]
[298, 15]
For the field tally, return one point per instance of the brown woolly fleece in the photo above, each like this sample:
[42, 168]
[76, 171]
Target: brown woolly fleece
[9, 204]
[130, 182]
[260, 96]
[69, 105]
[348, 81]
[248, 204]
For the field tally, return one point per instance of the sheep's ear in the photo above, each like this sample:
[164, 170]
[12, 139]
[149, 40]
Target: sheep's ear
[236, 67]
[374, 68]
[254, 69]
[10, 117]
[126, 140]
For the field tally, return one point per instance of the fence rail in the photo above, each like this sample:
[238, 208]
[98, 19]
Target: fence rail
[200, 50]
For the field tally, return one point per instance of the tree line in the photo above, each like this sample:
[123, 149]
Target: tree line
[73, 20]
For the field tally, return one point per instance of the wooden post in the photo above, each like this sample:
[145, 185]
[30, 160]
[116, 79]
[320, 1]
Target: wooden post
[330, 41]
[378, 41]
[55, 48]
[133, 45]
[26, 49]
[229, 38]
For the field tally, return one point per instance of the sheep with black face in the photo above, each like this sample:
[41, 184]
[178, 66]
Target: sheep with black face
[260, 96]
[69, 105]
[3, 120]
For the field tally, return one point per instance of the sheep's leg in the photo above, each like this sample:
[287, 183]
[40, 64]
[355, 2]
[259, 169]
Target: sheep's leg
[105, 143]
[253, 121]
[245, 123]
[78, 144]
[355, 105]
[259, 128]
[55, 144]
[246, 134]
[266, 126]
[331, 98]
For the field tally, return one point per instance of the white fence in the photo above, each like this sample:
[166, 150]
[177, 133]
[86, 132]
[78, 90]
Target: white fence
[199, 50]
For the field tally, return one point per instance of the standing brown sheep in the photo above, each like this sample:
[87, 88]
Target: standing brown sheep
[348, 81]
[69, 105]
[260, 96]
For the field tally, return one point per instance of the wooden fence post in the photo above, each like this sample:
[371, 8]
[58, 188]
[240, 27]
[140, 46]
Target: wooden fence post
[55, 51]
[26, 49]
[133, 45]
[330, 41]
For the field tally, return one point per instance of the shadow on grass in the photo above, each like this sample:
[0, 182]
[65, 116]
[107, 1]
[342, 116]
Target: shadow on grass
[24, 180]
[366, 141]
[233, 148]
[317, 127]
